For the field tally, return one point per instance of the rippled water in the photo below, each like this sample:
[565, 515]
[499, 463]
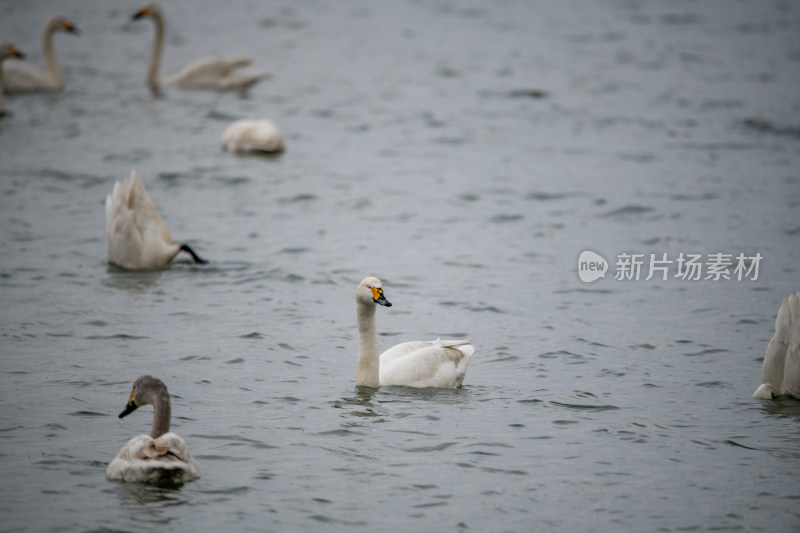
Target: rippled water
[466, 153]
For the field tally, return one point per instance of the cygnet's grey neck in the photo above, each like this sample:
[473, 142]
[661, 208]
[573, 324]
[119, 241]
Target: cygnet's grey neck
[162, 412]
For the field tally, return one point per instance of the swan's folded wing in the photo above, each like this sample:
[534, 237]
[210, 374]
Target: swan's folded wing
[24, 78]
[238, 82]
[402, 350]
[425, 364]
[212, 73]
[146, 459]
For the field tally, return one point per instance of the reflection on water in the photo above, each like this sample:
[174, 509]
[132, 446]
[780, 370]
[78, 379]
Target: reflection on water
[142, 281]
[782, 406]
[147, 504]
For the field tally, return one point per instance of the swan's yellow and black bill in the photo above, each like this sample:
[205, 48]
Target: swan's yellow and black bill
[17, 53]
[131, 407]
[71, 28]
[142, 12]
[379, 298]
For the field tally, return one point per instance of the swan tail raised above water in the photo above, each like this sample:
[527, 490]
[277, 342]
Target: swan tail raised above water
[791, 372]
[780, 371]
[136, 236]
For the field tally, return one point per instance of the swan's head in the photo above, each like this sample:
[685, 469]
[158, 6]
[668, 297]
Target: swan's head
[59, 23]
[142, 393]
[9, 50]
[147, 10]
[370, 290]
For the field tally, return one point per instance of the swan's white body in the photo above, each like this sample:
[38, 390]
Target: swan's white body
[145, 459]
[438, 363]
[6, 50]
[214, 73]
[28, 78]
[161, 456]
[252, 136]
[780, 372]
[136, 236]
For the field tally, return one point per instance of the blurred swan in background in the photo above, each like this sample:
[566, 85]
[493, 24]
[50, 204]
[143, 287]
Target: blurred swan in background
[417, 363]
[22, 79]
[252, 136]
[7, 50]
[209, 73]
[780, 372]
[161, 456]
[136, 235]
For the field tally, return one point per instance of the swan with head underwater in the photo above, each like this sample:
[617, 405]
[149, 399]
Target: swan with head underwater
[24, 79]
[136, 236]
[252, 136]
[213, 73]
[780, 371]
[161, 456]
[439, 363]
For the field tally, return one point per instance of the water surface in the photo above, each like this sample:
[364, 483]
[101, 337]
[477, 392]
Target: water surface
[464, 153]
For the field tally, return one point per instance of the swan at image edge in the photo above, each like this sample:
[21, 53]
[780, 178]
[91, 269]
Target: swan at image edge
[136, 236]
[252, 136]
[7, 50]
[161, 456]
[22, 79]
[439, 363]
[213, 73]
[780, 371]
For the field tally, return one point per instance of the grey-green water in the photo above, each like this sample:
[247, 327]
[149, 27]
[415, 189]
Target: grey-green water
[466, 153]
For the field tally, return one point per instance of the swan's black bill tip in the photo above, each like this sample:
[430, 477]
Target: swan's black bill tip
[131, 407]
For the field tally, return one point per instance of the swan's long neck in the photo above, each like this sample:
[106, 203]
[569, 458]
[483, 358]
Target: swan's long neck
[161, 413]
[153, 79]
[51, 69]
[2, 86]
[368, 373]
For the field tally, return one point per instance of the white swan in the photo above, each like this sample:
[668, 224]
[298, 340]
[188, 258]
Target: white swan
[415, 364]
[209, 73]
[161, 456]
[6, 50]
[780, 372]
[252, 136]
[136, 235]
[21, 79]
